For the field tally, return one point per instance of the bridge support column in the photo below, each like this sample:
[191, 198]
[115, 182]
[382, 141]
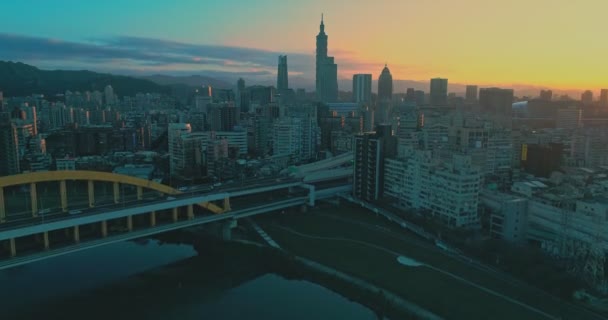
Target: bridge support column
[130, 223]
[153, 218]
[104, 229]
[91, 189]
[190, 212]
[2, 208]
[227, 204]
[34, 199]
[76, 234]
[116, 192]
[227, 227]
[13, 247]
[45, 238]
[175, 212]
[140, 193]
[63, 192]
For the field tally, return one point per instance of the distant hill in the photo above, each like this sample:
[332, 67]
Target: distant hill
[193, 81]
[19, 79]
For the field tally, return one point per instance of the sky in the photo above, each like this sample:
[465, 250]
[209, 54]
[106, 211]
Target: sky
[557, 44]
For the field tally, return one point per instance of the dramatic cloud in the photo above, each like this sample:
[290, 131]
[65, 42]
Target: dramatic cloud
[145, 56]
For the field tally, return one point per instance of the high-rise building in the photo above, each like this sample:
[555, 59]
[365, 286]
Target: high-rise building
[385, 96]
[109, 95]
[287, 137]
[174, 133]
[496, 100]
[603, 97]
[385, 85]
[447, 190]
[370, 151]
[546, 95]
[410, 95]
[471, 93]
[326, 70]
[587, 97]
[282, 78]
[569, 117]
[439, 92]
[9, 146]
[362, 88]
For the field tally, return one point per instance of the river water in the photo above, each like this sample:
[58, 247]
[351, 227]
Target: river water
[129, 280]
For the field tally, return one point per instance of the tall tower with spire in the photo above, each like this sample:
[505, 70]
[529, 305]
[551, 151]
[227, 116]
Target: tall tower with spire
[326, 78]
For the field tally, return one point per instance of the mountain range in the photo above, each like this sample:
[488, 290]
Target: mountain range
[19, 79]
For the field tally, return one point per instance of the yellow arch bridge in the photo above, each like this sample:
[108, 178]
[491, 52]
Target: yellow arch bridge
[61, 177]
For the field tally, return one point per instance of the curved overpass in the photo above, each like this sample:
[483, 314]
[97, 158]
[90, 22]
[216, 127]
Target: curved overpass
[33, 178]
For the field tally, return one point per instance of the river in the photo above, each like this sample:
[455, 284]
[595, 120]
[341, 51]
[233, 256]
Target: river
[150, 280]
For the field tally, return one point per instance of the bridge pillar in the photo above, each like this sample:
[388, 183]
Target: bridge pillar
[153, 218]
[130, 223]
[190, 212]
[34, 199]
[91, 189]
[227, 204]
[13, 247]
[2, 208]
[63, 192]
[116, 192]
[175, 212]
[311, 195]
[140, 193]
[104, 229]
[76, 234]
[227, 227]
[45, 238]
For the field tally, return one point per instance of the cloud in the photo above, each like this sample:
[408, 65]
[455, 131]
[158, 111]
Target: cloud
[140, 56]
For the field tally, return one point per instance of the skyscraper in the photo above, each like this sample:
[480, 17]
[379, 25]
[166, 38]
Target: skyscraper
[282, 79]
[385, 85]
[587, 97]
[471, 94]
[326, 70]
[496, 100]
[604, 98]
[439, 92]
[385, 96]
[362, 88]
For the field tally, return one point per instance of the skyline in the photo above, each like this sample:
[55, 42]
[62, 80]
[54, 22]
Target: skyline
[540, 45]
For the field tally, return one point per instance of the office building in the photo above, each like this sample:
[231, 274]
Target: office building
[546, 95]
[385, 85]
[410, 95]
[439, 92]
[587, 98]
[362, 88]
[370, 151]
[496, 101]
[471, 93]
[604, 98]
[237, 141]
[282, 77]
[326, 70]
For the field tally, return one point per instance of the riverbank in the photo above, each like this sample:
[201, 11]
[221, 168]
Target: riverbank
[348, 239]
